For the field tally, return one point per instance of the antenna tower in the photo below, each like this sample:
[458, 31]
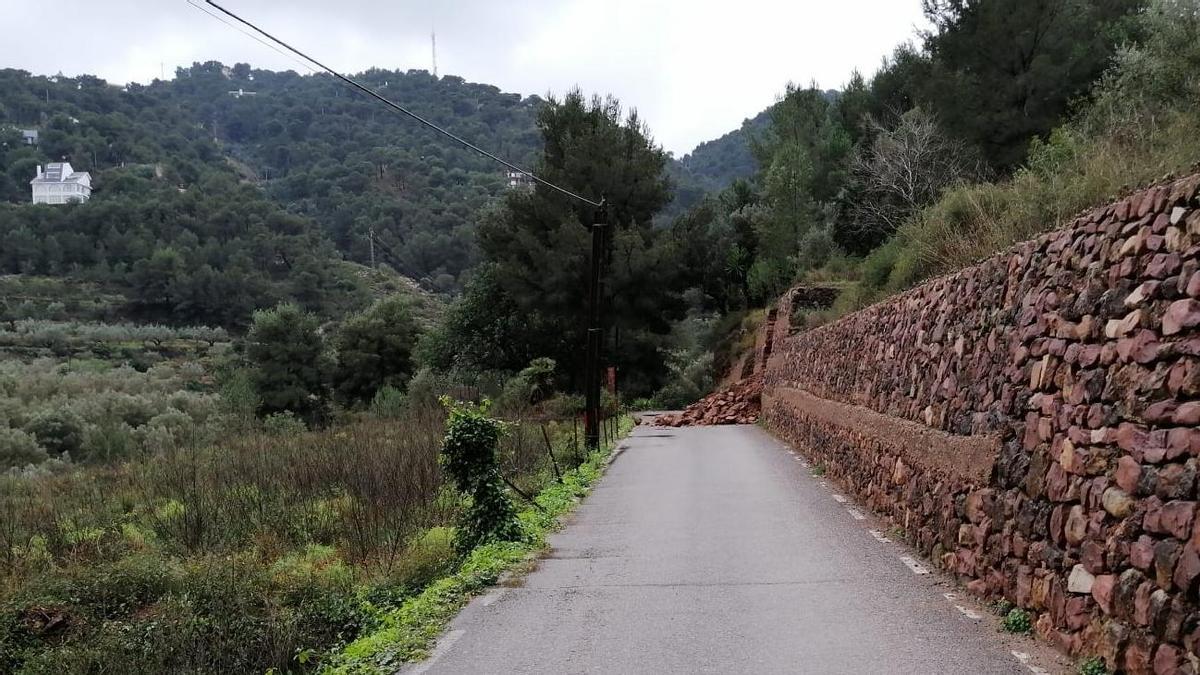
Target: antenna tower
[433, 43]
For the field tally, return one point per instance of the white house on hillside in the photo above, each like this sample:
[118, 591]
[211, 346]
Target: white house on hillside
[517, 179]
[60, 184]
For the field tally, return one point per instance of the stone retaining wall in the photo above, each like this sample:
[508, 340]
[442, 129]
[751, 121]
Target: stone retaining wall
[1032, 424]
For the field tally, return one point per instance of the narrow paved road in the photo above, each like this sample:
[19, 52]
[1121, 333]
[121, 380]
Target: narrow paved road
[713, 550]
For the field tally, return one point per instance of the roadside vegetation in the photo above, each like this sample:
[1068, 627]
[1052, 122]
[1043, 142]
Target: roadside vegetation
[270, 550]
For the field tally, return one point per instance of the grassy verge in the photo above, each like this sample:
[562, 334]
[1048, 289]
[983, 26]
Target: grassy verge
[406, 633]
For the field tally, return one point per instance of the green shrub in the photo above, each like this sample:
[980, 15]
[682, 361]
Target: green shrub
[1093, 666]
[239, 397]
[283, 424]
[427, 557]
[816, 248]
[389, 402]
[287, 350]
[374, 350]
[469, 458]
[108, 441]
[532, 385]
[565, 406]
[166, 430]
[640, 404]
[18, 448]
[1017, 621]
[58, 431]
[691, 378]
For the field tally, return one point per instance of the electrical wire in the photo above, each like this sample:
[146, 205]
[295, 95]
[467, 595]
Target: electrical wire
[401, 109]
[252, 36]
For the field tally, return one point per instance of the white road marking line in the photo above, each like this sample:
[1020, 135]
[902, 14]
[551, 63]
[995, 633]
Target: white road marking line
[839, 499]
[492, 597]
[855, 513]
[974, 616]
[1024, 659]
[443, 646]
[879, 536]
[916, 567]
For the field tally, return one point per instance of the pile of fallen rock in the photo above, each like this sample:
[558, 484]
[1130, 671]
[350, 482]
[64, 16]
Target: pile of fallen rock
[739, 403]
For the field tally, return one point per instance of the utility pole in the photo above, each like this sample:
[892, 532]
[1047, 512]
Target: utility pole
[592, 377]
[371, 236]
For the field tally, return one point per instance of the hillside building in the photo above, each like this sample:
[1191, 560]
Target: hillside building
[60, 184]
[517, 179]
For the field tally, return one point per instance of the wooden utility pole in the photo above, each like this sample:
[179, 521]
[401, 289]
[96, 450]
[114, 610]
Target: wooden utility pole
[593, 378]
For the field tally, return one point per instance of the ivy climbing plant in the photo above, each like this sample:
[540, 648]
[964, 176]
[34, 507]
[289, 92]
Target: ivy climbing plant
[469, 458]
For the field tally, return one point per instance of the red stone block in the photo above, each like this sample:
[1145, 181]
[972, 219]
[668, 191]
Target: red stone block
[1182, 441]
[1181, 315]
[1091, 556]
[1163, 265]
[1187, 414]
[1176, 518]
[1137, 658]
[1078, 612]
[1184, 378]
[1141, 604]
[1193, 285]
[1187, 569]
[1141, 553]
[1160, 412]
[1131, 437]
[1127, 474]
[1166, 554]
[1169, 660]
[1103, 589]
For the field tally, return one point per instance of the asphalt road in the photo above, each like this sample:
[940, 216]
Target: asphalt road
[715, 550]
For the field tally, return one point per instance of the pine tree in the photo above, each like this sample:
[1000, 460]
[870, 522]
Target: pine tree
[289, 361]
[374, 350]
[539, 246]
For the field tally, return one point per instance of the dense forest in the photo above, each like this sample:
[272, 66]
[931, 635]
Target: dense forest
[317, 150]
[714, 165]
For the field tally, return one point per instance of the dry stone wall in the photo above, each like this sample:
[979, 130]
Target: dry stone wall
[1033, 424]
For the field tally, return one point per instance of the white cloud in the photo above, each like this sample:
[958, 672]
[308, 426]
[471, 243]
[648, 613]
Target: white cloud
[693, 68]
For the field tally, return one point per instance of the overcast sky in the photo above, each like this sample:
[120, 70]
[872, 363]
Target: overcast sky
[694, 69]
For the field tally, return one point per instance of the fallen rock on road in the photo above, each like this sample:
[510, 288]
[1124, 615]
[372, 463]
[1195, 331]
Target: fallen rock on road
[739, 403]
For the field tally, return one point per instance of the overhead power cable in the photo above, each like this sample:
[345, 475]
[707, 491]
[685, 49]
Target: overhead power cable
[252, 36]
[401, 109]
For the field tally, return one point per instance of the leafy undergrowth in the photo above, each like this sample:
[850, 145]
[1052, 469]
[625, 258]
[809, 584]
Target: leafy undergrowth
[266, 553]
[407, 633]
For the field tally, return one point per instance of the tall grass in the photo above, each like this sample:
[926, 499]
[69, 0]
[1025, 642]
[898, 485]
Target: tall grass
[1068, 174]
[365, 489]
[265, 551]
